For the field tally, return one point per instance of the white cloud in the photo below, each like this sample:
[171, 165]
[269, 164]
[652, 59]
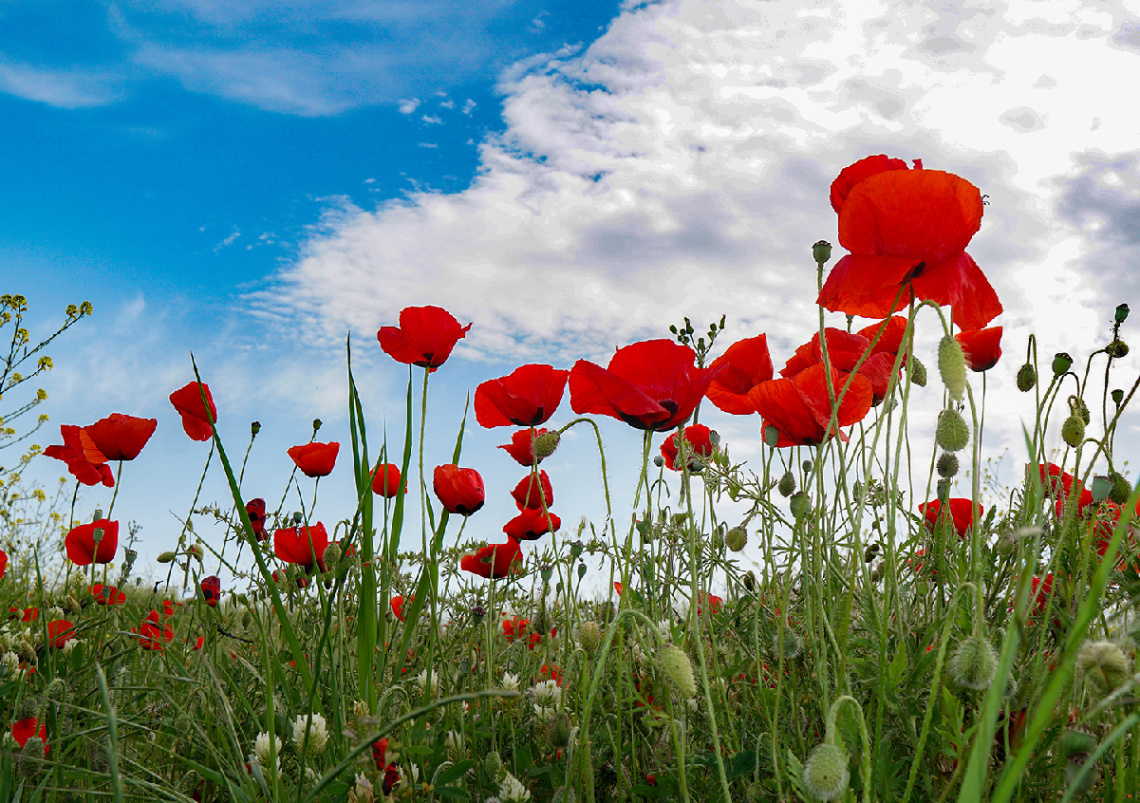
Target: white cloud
[409, 105]
[469, 106]
[431, 119]
[69, 88]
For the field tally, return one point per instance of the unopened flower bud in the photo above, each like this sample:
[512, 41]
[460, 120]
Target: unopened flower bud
[947, 465]
[1026, 377]
[27, 709]
[545, 444]
[590, 637]
[787, 484]
[31, 759]
[952, 367]
[1104, 664]
[800, 504]
[196, 550]
[736, 538]
[1062, 362]
[1073, 430]
[974, 663]
[917, 371]
[333, 554]
[658, 461]
[493, 763]
[821, 252]
[807, 466]
[678, 669]
[1121, 488]
[952, 433]
[558, 730]
[825, 774]
[166, 557]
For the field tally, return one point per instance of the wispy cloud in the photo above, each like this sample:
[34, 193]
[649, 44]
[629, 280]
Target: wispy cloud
[65, 88]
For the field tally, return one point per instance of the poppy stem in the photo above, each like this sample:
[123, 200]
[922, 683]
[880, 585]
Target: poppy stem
[115, 494]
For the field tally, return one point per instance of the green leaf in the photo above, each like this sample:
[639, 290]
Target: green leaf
[452, 792]
[897, 667]
[455, 771]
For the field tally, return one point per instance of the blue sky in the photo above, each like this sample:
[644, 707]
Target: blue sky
[252, 181]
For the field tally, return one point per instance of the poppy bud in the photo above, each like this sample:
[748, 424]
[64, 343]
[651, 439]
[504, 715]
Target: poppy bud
[1062, 362]
[1077, 739]
[736, 538]
[917, 371]
[332, 555]
[1116, 349]
[492, 764]
[195, 550]
[129, 557]
[1117, 396]
[947, 465]
[254, 428]
[1122, 313]
[952, 366]
[787, 484]
[821, 252]
[793, 644]
[1104, 665]
[27, 709]
[590, 637]
[558, 731]
[1079, 407]
[825, 773]
[545, 444]
[800, 505]
[1026, 377]
[658, 461]
[807, 466]
[974, 663]
[31, 757]
[1073, 430]
[871, 552]
[166, 557]
[678, 669]
[952, 432]
[1121, 488]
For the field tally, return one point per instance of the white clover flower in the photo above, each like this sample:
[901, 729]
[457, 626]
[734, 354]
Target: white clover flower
[544, 713]
[426, 686]
[510, 681]
[511, 790]
[55, 612]
[11, 662]
[361, 791]
[71, 645]
[318, 733]
[547, 693]
[261, 748]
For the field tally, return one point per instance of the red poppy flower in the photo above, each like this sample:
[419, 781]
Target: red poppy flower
[699, 438]
[551, 672]
[531, 494]
[386, 481]
[24, 614]
[153, 634]
[301, 545]
[59, 632]
[843, 351]
[196, 416]
[84, 460]
[618, 587]
[81, 547]
[891, 340]
[493, 560]
[108, 595]
[121, 437]
[25, 729]
[907, 226]
[714, 603]
[397, 604]
[865, 168]
[315, 459]
[743, 366]
[1041, 591]
[800, 409]
[3, 562]
[521, 447]
[516, 627]
[527, 397]
[255, 509]
[982, 347]
[651, 385]
[459, 489]
[425, 337]
[960, 514]
[211, 590]
[531, 524]
[198, 644]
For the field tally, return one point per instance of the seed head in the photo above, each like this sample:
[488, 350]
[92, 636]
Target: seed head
[821, 252]
[1062, 362]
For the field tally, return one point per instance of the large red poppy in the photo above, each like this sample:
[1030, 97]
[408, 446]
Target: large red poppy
[301, 545]
[743, 366]
[865, 168]
[196, 416]
[651, 385]
[699, 438]
[386, 480]
[425, 337]
[84, 460]
[526, 397]
[982, 347]
[960, 514]
[521, 447]
[907, 226]
[81, 547]
[315, 459]
[121, 437]
[460, 490]
[532, 493]
[493, 560]
[800, 409]
[531, 524]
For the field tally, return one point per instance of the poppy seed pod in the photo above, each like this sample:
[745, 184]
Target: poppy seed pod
[917, 371]
[1121, 314]
[1062, 362]
[1026, 377]
[1117, 396]
[1073, 430]
[821, 252]
[974, 663]
[952, 367]
[952, 433]
[825, 773]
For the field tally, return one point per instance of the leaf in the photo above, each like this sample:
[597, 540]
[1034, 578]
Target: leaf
[452, 792]
[455, 771]
[897, 666]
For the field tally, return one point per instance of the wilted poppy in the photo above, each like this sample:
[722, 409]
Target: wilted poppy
[211, 590]
[459, 489]
[743, 366]
[398, 603]
[301, 545]
[196, 416]
[315, 459]
[425, 337]
[651, 385]
[255, 509]
[82, 549]
[532, 493]
[121, 437]
[84, 460]
[521, 447]
[25, 729]
[982, 347]
[800, 408]
[526, 397]
[59, 632]
[108, 595]
[907, 226]
[699, 438]
[961, 514]
[493, 560]
[386, 480]
[532, 524]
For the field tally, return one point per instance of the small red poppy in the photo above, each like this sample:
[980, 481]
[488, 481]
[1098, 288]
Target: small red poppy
[651, 385]
[108, 595]
[743, 366]
[398, 603]
[533, 495]
[315, 459]
[59, 632]
[699, 438]
[198, 643]
[493, 560]
[197, 418]
[255, 509]
[551, 672]
[1041, 591]
[84, 460]
[714, 603]
[25, 729]
[386, 481]
[982, 347]
[961, 514]
[515, 627]
[526, 397]
[152, 635]
[532, 524]
[460, 490]
[425, 337]
[81, 547]
[211, 590]
[121, 437]
[301, 545]
[3, 562]
[521, 447]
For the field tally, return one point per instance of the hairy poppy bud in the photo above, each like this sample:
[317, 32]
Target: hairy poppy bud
[947, 465]
[493, 763]
[1062, 362]
[952, 432]
[800, 504]
[590, 637]
[332, 555]
[1073, 430]
[952, 367]
[558, 731]
[31, 758]
[736, 538]
[1117, 396]
[545, 444]
[787, 484]
[917, 371]
[1116, 349]
[1121, 313]
[1121, 488]
[974, 663]
[56, 691]
[821, 252]
[825, 772]
[1103, 664]
[1026, 377]
[166, 557]
[27, 709]
[678, 669]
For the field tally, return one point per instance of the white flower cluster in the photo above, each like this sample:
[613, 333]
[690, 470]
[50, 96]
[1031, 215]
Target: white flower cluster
[318, 733]
[261, 749]
[511, 790]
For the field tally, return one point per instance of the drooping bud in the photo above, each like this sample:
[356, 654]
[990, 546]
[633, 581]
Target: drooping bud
[678, 669]
[1073, 430]
[1026, 377]
[1121, 488]
[787, 484]
[947, 465]
[952, 433]
[952, 367]
[1104, 665]
[825, 773]
[1062, 362]
[27, 709]
[821, 252]
[736, 538]
[974, 663]
[917, 371]
[545, 444]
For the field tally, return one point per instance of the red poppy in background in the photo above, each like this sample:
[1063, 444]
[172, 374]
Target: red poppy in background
[800, 408]
[24, 614]
[255, 509]
[515, 627]
[527, 397]
[844, 351]
[699, 438]
[714, 603]
[521, 447]
[386, 480]
[315, 459]
[891, 340]
[121, 437]
[907, 226]
[460, 490]
[397, 604]
[982, 347]
[59, 632]
[108, 595]
[1041, 591]
[81, 547]
[961, 514]
[493, 560]
[1061, 486]
[211, 590]
[531, 524]
[3, 562]
[153, 634]
[743, 366]
[532, 494]
[301, 545]
[196, 416]
[84, 460]
[652, 385]
[25, 729]
[425, 337]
